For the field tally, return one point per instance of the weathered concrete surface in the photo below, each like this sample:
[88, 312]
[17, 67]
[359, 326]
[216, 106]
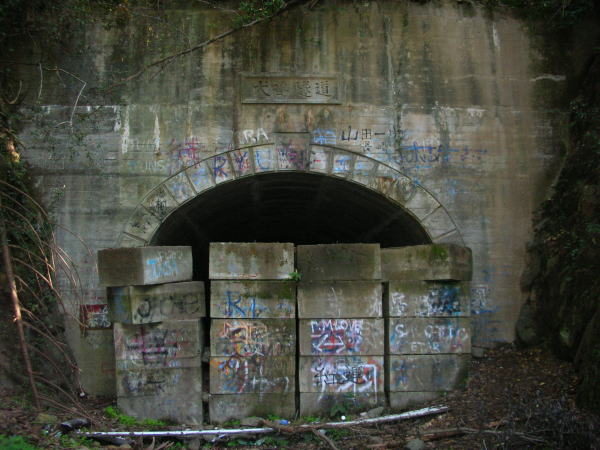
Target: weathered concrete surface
[407, 400]
[341, 374]
[151, 304]
[245, 337]
[144, 265]
[427, 262]
[429, 335]
[344, 299]
[339, 262]
[254, 261]
[427, 299]
[253, 374]
[173, 394]
[341, 336]
[166, 344]
[420, 373]
[223, 407]
[252, 299]
[96, 358]
[448, 113]
[319, 404]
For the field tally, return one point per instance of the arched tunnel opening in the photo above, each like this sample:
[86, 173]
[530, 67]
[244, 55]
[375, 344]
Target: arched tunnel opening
[301, 208]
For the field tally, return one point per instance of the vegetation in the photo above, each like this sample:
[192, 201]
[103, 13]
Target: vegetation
[129, 421]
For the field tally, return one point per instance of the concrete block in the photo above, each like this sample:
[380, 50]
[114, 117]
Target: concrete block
[426, 372]
[157, 303]
[339, 299]
[184, 409]
[339, 262]
[144, 265]
[427, 262]
[323, 404]
[173, 394]
[429, 335]
[341, 337]
[255, 374]
[427, 299]
[250, 261]
[341, 374]
[166, 344]
[224, 407]
[246, 337]
[410, 400]
[253, 299]
[94, 352]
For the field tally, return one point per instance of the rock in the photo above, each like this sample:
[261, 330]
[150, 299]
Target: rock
[415, 444]
[251, 421]
[375, 412]
[526, 326]
[46, 418]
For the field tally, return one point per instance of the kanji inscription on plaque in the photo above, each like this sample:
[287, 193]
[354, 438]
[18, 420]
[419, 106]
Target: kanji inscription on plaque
[278, 88]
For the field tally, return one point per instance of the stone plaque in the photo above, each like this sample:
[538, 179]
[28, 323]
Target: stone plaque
[287, 88]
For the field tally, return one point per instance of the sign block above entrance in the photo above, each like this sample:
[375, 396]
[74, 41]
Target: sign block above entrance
[289, 88]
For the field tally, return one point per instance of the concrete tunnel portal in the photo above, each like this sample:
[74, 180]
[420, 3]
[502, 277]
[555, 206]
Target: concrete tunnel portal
[302, 208]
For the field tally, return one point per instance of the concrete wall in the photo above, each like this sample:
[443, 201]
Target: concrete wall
[451, 96]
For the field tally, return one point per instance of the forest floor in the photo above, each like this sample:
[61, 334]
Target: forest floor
[515, 398]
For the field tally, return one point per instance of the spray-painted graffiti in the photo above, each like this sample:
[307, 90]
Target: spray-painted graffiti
[165, 264]
[238, 305]
[255, 374]
[346, 374]
[94, 316]
[152, 308]
[483, 322]
[147, 382]
[331, 336]
[341, 337]
[162, 345]
[426, 372]
[437, 301]
[245, 338]
[429, 336]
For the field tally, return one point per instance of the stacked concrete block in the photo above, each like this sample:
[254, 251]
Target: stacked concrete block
[158, 333]
[341, 329]
[253, 330]
[426, 308]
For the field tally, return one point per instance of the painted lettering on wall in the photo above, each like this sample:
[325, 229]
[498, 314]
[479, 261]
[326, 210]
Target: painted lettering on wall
[331, 336]
[94, 316]
[346, 374]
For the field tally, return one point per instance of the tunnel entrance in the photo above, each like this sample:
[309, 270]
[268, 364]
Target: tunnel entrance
[302, 208]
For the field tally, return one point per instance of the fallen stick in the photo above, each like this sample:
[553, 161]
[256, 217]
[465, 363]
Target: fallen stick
[232, 432]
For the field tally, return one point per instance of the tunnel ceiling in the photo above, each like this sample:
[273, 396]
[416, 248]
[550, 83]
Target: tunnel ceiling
[288, 207]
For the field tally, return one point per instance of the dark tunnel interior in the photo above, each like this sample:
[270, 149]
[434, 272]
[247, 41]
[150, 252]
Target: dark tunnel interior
[288, 207]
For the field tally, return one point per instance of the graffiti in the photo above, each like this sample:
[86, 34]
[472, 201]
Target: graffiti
[291, 157]
[141, 382]
[439, 301]
[156, 308]
[440, 336]
[252, 338]
[163, 265]
[331, 336]
[345, 375]
[255, 374]
[156, 346]
[94, 316]
[426, 372]
[254, 136]
[484, 325]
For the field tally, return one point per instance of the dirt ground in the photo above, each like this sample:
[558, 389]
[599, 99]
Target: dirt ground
[515, 398]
